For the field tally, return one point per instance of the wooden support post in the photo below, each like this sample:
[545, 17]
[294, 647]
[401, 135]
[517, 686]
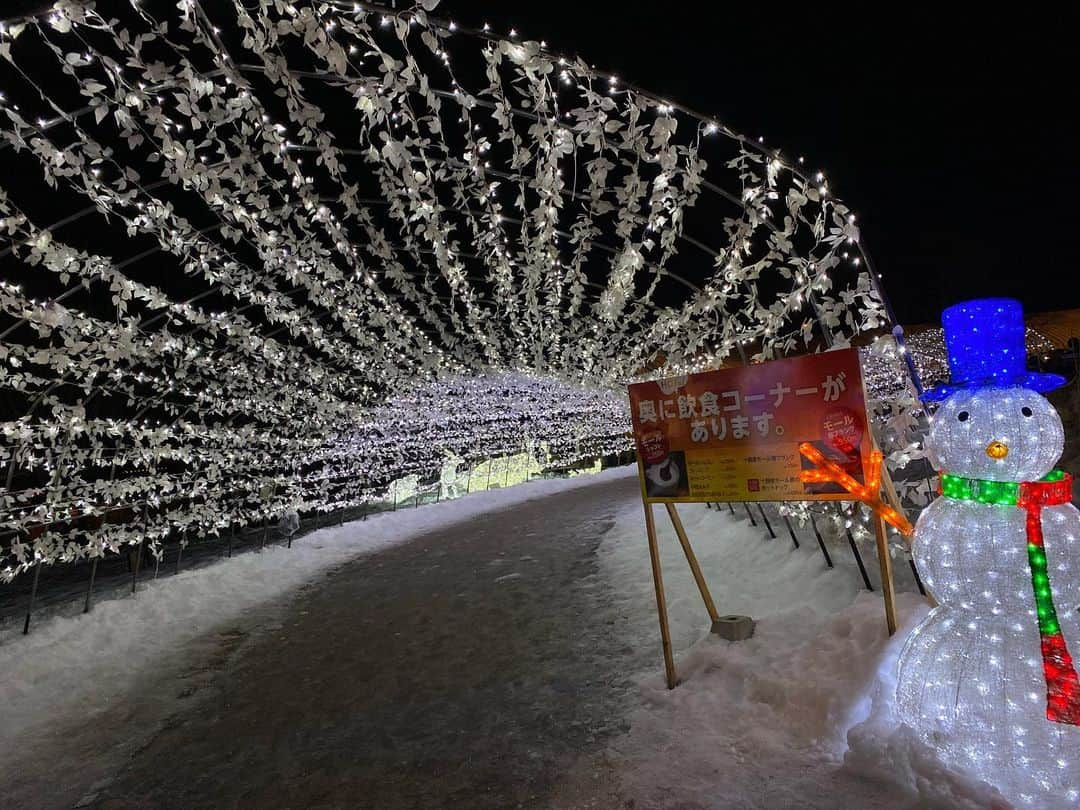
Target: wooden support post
[691, 558]
[768, 525]
[791, 531]
[661, 602]
[894, 501]
[821, 542]
[885, 564]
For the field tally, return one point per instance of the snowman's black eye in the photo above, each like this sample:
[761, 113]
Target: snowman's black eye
[963, 416]
[1026, 411]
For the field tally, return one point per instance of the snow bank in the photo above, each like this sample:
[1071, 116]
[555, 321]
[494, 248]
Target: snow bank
[881, 747]
[798, 716]
[87, 663]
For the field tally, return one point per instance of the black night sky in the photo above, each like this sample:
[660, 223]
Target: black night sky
[952, 137]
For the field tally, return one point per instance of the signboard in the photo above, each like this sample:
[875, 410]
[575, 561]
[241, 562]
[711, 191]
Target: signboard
[789, 430]
[734, 434]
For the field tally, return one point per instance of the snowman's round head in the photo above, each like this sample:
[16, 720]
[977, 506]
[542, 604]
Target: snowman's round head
[997, 434]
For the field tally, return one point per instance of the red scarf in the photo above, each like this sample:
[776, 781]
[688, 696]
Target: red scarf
[1062, 685]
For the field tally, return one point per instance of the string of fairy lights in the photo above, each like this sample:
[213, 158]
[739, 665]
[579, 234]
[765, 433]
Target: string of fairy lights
[295, 252]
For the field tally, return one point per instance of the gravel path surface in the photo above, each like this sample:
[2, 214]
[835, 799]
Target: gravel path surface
[476, 666]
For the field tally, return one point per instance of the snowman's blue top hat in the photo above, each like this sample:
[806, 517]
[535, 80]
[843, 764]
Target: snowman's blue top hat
[984, 339]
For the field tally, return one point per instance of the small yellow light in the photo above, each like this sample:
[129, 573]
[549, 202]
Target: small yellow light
[997, 450]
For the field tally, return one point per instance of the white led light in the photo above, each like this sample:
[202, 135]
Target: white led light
[974, 688]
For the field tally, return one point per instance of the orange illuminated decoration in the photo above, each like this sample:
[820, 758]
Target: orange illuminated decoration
[868, 493]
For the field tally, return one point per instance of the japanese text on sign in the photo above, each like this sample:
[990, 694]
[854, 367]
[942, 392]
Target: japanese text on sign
[734, 434]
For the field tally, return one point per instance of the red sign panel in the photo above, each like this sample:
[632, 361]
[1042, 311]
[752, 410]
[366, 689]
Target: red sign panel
[733, 435]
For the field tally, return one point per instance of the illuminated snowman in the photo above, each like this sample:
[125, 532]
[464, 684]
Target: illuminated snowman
[986, 678]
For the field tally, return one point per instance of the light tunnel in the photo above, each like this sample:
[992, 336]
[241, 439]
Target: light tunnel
[281, 258]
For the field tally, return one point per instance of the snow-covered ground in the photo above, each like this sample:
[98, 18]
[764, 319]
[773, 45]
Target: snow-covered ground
[798, 716]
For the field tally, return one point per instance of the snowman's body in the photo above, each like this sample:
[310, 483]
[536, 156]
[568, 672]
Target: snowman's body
[971, 677]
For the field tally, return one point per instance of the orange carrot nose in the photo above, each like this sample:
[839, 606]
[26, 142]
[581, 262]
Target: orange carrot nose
[997, 450]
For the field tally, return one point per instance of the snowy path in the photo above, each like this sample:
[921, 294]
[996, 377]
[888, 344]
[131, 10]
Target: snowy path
[496, 651]
[471, 666]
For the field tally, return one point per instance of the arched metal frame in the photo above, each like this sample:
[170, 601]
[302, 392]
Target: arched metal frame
[288, 490]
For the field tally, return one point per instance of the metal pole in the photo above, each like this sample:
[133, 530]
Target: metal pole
[731, 507]
[821, 542]
[768, 525]
[897, 330]
[749, 514]
[791, 531]
[138, 553]
[33, 595]
[93, 565]
[855, 551]
[266, 519]
[138, 562]
[180, 551]
[37, 568]
[915, 573]
[90, 587]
